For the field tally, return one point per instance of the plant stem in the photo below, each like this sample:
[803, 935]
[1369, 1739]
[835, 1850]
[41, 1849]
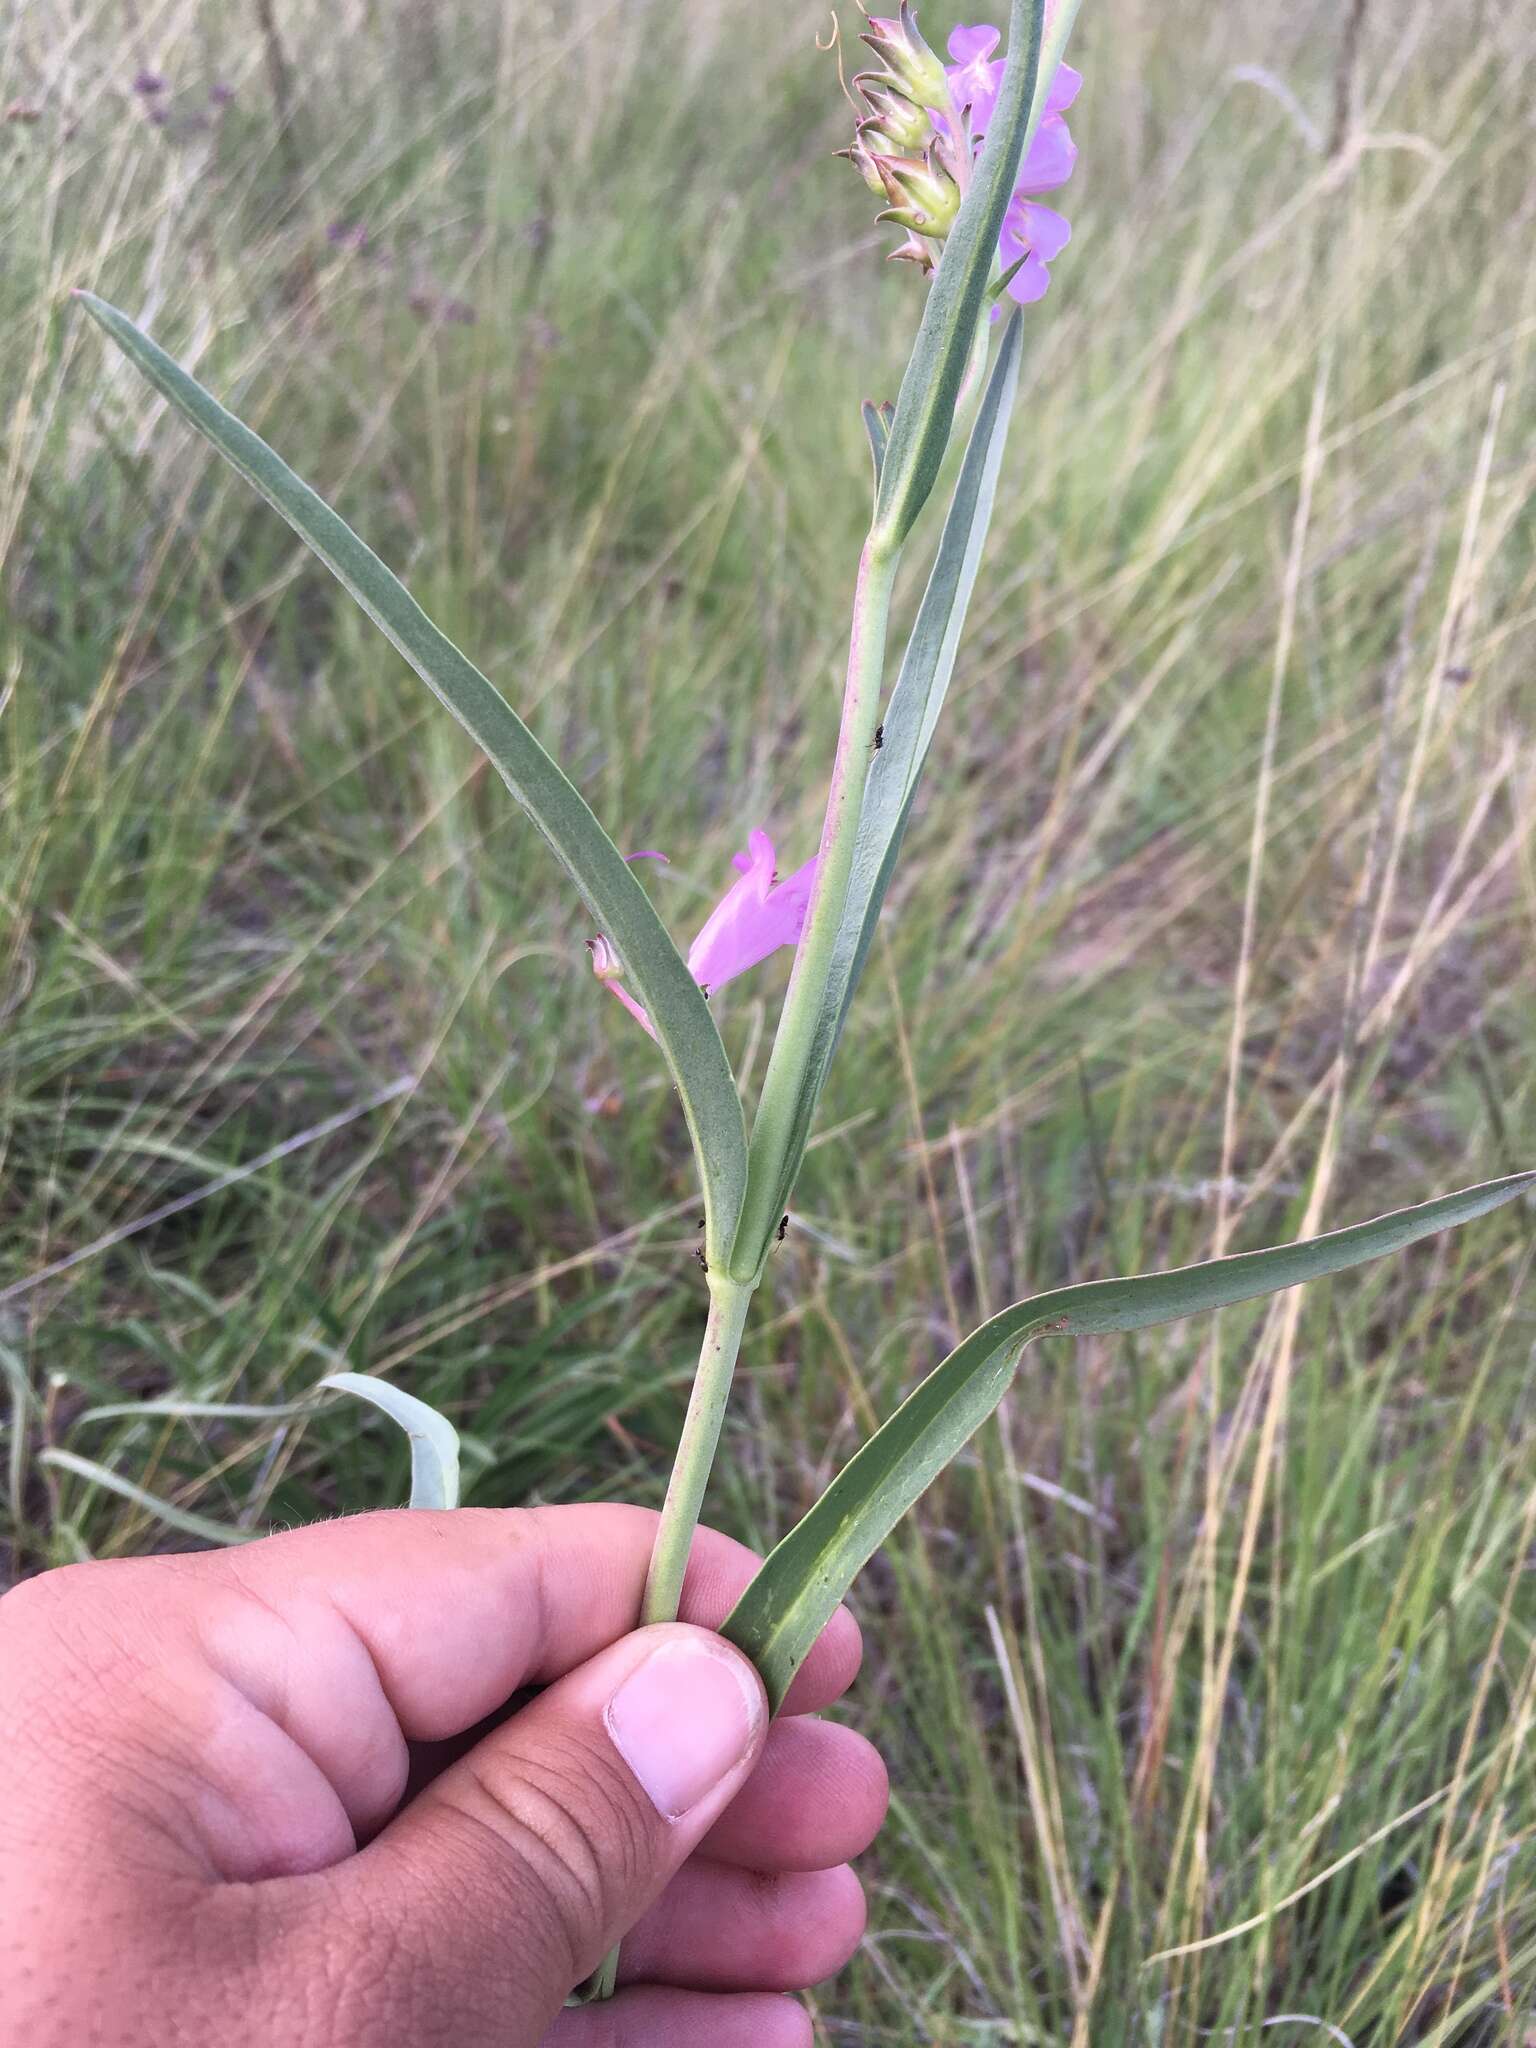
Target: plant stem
[729, 1301]
[773, 1130]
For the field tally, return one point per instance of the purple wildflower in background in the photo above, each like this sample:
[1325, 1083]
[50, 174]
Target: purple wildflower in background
[148, 84]
[756, 916]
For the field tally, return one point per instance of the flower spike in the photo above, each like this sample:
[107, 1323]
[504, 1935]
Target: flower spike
[927, 122]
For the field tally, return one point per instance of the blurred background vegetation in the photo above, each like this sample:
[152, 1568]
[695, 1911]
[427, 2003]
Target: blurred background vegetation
[1207, 1679]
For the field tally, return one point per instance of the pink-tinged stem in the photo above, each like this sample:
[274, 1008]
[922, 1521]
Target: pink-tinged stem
[773, 1131]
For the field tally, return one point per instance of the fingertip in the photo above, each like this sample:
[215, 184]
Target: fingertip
[721, 1929]
[830, 1668]
[790, 2026]
[651, 2017]
[847, 1915]
[816, 1925]
[817, 1798]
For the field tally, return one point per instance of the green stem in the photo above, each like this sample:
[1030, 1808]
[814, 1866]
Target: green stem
[729, 1301]
[774, 1128]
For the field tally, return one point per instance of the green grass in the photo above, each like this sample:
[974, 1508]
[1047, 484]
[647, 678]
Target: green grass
[1217, 919]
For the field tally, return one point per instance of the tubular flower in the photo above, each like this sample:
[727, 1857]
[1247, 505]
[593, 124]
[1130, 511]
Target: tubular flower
[919, 156]
[755, 917]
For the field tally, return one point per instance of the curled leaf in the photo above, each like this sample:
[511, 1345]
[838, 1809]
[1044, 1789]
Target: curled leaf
[434, 1440]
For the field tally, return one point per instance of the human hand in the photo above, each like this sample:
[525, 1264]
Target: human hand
[203, 1837]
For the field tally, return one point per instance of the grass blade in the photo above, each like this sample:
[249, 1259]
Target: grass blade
[655, 969]
[182, 1519]
[172, 1407]
[799, 1586]
[434, 1440]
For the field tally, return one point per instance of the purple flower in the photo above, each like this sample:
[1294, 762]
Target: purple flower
[148, 84]
[974, 80]
[1032, 235]
[755, 917]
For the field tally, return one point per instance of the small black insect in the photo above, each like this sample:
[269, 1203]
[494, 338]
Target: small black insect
[879, 738]
[700, 1224]
[783, 1226]
[699, 1255]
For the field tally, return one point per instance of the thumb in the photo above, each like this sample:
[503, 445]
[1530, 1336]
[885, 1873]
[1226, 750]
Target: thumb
[507, 1881]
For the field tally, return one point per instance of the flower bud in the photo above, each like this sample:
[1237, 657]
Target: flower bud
[606, 964]
[868, 146]
[914, 69]
[908, 127]
[915, 250]
[924, 197]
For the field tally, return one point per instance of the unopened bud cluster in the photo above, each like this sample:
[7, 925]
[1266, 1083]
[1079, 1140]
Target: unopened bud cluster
[922, 125]
[897, 150]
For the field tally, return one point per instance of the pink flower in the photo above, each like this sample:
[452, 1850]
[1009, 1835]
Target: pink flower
[1035, 233]
[974, 77]
[1032, 235]
[755, 917]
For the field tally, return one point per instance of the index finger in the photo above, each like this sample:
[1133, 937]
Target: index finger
[460, 1608]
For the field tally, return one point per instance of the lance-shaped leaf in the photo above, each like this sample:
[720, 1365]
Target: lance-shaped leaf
[927, 666]
[623, 912]
[906, 734]
[434, 1440]
[797, 1590]
[958, 296]
[877, 425]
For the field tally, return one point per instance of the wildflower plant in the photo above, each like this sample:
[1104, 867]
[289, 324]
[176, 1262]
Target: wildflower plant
[959, 153]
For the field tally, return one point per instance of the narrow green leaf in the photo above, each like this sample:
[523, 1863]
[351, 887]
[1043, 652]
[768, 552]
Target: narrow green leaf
[927, 666]
[686, 1031]
[21, 1406]
[434, 1440]
[907, 733]
[200, 1526]
[168, 1405]
[878, 428]
[797, 1590]
[957, 298]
